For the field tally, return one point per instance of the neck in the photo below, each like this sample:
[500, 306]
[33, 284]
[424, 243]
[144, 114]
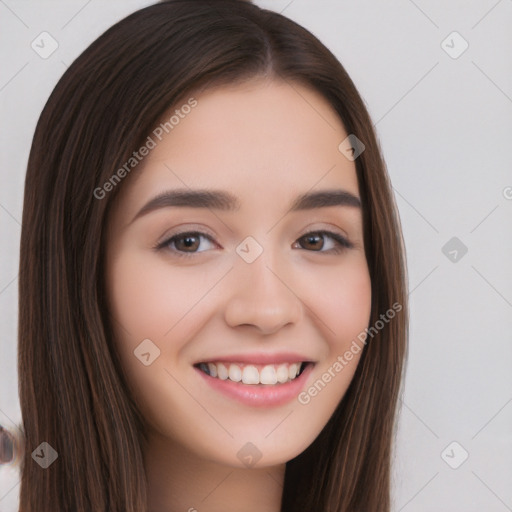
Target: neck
[181, 481]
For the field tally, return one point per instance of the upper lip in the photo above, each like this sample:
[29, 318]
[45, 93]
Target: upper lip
[259, 358]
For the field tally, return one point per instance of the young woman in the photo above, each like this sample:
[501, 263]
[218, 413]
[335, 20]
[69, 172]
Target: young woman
[212, 289]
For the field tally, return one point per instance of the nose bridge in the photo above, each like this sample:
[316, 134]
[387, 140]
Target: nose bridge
[260, 295]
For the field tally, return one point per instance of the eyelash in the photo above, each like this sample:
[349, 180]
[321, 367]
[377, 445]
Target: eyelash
[342, 242]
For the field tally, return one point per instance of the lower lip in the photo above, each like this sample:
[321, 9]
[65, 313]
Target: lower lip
[260, 395]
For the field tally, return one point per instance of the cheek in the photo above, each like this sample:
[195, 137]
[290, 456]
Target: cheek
[342, 306]
[147, 299]
[341, 300]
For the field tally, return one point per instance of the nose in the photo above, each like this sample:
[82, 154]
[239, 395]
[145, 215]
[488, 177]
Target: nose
[261, 297]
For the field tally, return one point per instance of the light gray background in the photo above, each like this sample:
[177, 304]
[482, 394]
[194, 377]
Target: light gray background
[445, 125]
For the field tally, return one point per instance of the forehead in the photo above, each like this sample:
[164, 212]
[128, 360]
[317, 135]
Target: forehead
[262, 140]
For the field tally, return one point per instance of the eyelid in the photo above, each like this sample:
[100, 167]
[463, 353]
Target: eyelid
[321, 227]
[193, 228]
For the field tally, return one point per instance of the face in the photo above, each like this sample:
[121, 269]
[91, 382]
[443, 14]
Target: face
[258, 279]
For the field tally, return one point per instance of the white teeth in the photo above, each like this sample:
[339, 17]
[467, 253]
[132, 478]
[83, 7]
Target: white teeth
[269, 374]
[235, 373]
[251, 375]
[222, 371]
[293, 369]
[282, 373]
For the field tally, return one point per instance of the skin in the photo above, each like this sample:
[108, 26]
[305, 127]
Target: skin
[266, 142]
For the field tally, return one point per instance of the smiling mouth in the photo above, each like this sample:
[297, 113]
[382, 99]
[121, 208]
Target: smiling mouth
[254, 374]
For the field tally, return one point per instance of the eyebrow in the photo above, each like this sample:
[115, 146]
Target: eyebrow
[225, 201]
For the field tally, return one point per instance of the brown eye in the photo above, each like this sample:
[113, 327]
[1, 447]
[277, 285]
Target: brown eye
[185, 244]
[315, 241]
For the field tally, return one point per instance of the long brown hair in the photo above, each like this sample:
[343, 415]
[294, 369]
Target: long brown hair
[71, 386]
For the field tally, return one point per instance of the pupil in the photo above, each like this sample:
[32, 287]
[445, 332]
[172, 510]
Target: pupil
[189, 241]
[313, 238]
